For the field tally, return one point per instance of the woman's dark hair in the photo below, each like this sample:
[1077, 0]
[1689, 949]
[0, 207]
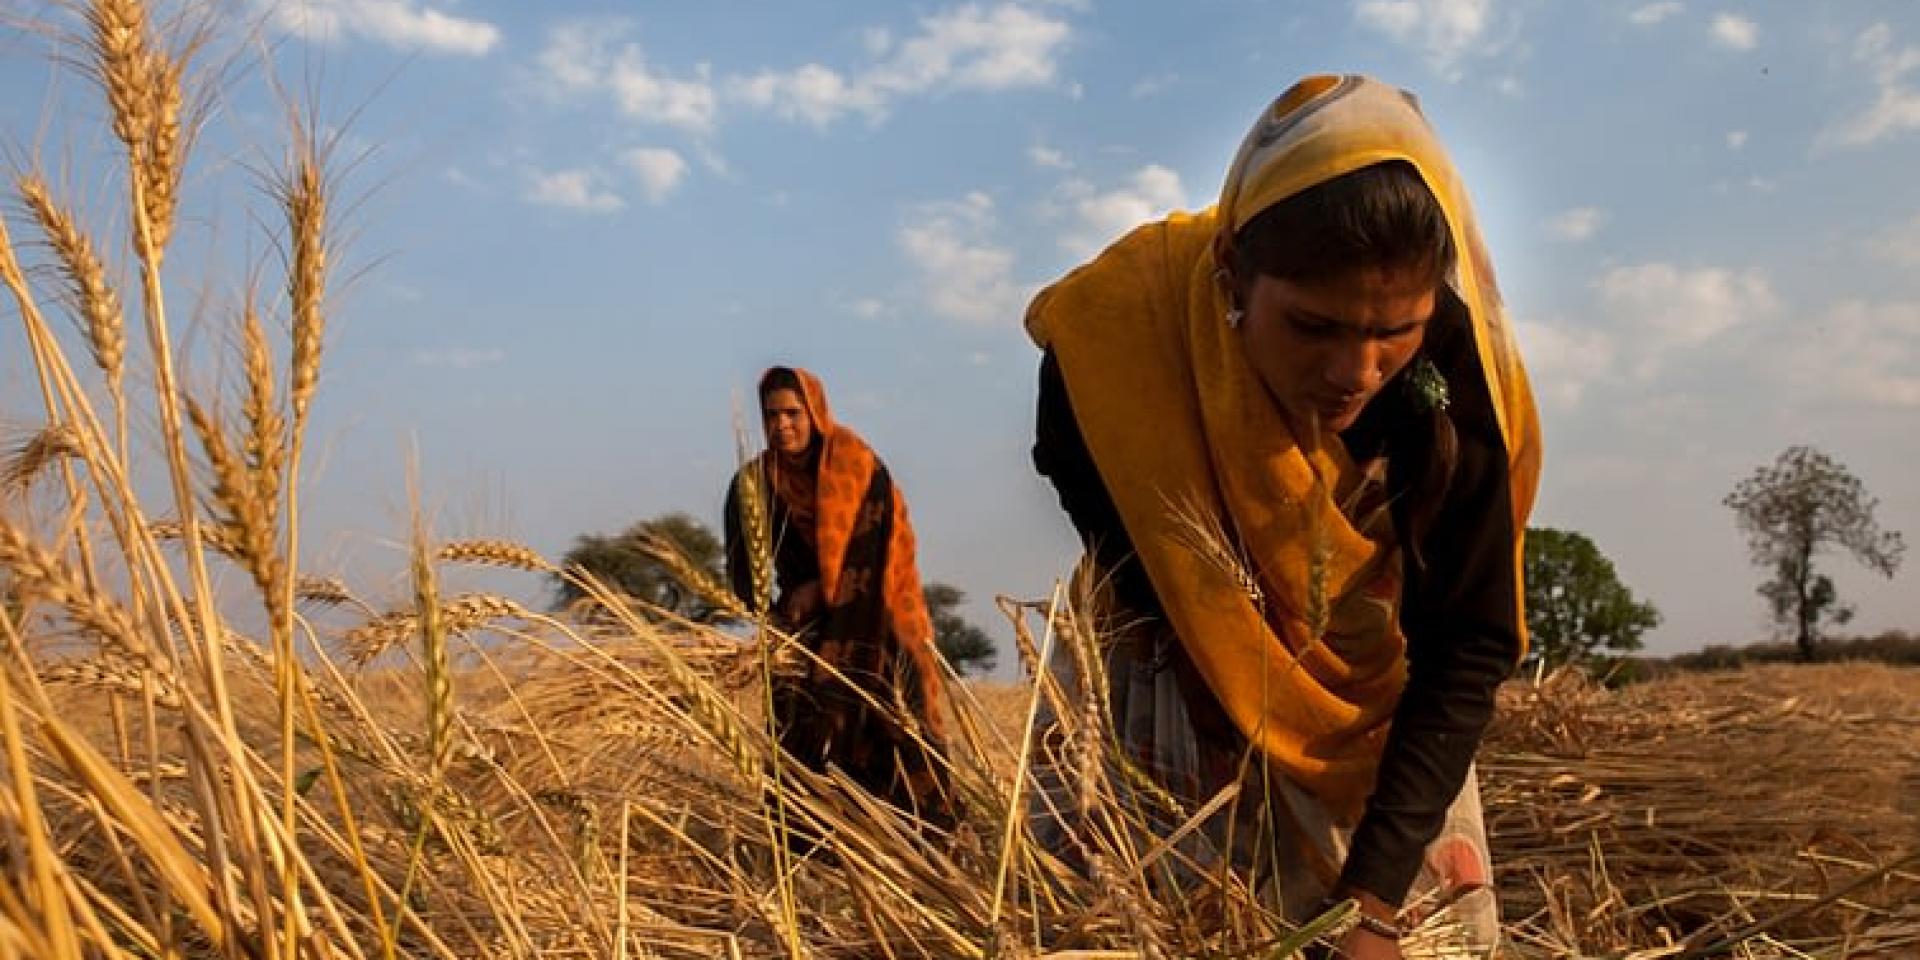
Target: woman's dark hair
[779, 378]
[1381, 215]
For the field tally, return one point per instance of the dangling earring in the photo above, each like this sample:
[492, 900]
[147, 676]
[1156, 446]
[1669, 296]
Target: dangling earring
[1234, 314]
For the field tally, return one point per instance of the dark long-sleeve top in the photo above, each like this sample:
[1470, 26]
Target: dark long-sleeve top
[1458, 612]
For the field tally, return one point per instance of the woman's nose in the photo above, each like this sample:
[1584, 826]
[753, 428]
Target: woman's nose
[1354, 366]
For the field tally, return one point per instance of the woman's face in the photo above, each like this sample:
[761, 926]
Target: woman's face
[1325, 348]
[789, 427]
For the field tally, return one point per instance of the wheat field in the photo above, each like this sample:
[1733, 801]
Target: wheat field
[212, 751]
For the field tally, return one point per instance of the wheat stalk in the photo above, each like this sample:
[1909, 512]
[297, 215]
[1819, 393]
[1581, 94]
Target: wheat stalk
[1319, 610]
[36, 454]
[463, 614]
[102, 321]
[669, 555]
[124, 62]
[303, 198]
[757, 523]
[1200, 529]
[165, 146]
[327, 591]
[144, 89]
[39, 574]
[222, 538]
[109, 671]
[713, 712]
[266, 436]
[248, 515]
[249, 651]
[493, 553]
[700, 703]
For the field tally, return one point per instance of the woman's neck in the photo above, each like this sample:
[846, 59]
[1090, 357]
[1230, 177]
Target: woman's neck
[802, 461]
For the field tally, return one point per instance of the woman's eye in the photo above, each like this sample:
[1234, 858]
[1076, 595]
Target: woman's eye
[1311, 327]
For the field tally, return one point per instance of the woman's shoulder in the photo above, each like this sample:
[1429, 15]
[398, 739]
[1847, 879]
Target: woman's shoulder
[1150, 262]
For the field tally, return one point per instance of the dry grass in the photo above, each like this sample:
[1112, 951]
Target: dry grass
[467, 777]
[1694, 806]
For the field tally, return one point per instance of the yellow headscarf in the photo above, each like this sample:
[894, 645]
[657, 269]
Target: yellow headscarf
[1307, 660]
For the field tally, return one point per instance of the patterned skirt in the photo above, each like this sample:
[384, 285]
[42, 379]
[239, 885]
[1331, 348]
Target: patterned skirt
[1176, 753]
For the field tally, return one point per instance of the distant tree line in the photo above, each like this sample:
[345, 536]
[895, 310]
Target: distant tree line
[1794, 512]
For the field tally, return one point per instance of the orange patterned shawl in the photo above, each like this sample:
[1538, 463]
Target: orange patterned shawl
[876, 631]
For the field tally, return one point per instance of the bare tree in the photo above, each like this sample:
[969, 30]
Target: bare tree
[1792, 511]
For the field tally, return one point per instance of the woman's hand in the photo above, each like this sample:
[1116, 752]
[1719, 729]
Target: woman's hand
[803, 603]
[1362, 944]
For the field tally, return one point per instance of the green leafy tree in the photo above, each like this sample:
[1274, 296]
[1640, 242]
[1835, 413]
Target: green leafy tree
[964, 645]
[1792, 511]
[622, 562]
[1576, 605]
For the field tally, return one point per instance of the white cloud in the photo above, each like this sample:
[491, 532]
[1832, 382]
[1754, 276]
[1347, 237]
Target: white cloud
[1862, 352]
[396, 23]
[867, 308]
[1896, 106]
[1101, 217]
[1658, 309]
[573, 190]
[1448, 31]
[1756, 183]
[1152, 86]
[1736, 139]
[1874, 47]
[1510, 87]
[966, 275]
[813, 93]
[1734, 31]
[970, 48]
[660, 170]
[1654, 13]
[1898, 244]
[1048, 158]
[965, 48]
[459, 358]
[1563, 360]
[592, 57]
[1577, 224]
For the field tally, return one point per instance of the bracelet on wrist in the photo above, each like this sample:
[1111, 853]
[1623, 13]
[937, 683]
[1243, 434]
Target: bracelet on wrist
[1384, 929]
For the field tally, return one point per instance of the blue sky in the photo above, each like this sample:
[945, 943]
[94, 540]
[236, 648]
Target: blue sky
[573, 232]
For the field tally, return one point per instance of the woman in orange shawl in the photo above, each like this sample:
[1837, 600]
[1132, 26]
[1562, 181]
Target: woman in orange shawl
[1295, 435]
[838, 567]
